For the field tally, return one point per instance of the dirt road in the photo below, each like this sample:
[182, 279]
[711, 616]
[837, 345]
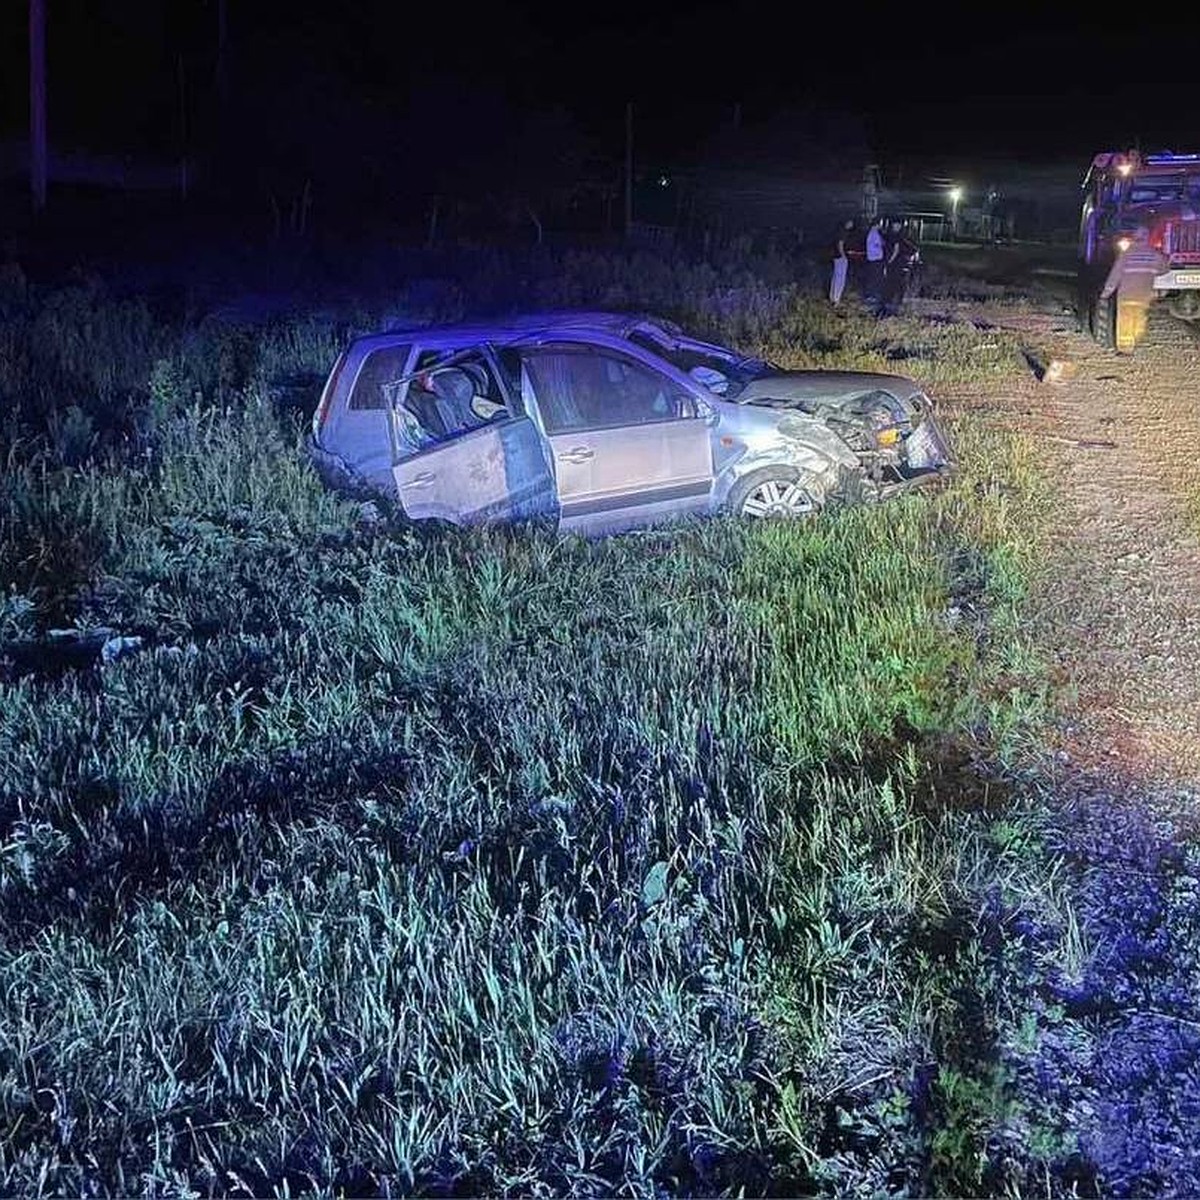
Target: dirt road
[1121, 602]
[1119, 613]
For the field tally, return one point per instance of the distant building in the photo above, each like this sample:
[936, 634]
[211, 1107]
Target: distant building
[1012, 201]
[794, 177]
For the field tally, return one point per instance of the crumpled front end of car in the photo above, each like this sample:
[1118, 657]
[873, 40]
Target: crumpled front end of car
[861, 447]
[902, 446]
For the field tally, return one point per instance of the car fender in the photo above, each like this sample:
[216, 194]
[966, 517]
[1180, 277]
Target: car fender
[764, 437]
[798, 429]
[340, 476]
[807, 459]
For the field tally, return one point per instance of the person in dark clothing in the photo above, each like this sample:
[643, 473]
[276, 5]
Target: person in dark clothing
[891, 266]
[900, 256]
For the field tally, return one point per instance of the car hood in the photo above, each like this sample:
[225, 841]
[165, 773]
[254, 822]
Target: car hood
[833, 389]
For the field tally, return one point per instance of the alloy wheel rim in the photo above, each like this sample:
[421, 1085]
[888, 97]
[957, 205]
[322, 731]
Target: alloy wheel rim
[778, 498]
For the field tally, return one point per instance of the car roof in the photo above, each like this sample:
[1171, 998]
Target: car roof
[515, 328]
[606, 327]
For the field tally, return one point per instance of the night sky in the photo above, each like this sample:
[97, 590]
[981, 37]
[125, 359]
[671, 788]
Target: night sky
[941, 80]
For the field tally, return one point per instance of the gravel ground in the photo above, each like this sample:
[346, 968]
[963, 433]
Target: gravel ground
[1121, 603]
[1115, 1066]
[1116, 1063]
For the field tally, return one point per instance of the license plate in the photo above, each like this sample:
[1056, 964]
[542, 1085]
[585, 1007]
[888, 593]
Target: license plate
[1187, 278]
[925, 447]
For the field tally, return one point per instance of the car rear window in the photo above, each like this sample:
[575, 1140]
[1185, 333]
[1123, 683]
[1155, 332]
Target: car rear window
[382, 366]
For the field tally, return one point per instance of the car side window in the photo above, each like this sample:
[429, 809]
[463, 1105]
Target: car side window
[381, 367]
[448, 399]
[588, 389]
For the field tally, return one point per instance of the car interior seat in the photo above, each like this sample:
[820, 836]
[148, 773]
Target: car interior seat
[453, 390]
[485, 403]
[423, 404]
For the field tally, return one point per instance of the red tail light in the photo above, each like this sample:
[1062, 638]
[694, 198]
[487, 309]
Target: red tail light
[322, 413]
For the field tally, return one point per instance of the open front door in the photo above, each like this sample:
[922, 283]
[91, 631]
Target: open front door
[630, 445]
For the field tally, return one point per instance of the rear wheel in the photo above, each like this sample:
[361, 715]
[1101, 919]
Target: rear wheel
[1104, 320]
[775, 492]
[1184, 306]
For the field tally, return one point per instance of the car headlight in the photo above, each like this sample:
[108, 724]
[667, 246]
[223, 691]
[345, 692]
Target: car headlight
[886, 423]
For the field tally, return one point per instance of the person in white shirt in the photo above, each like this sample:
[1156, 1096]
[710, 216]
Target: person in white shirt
[873, 282]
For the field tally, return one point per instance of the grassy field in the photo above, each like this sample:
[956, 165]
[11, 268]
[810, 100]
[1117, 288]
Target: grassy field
[398, 860]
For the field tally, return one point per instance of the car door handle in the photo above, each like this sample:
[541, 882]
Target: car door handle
[578, 454]
[423, 480]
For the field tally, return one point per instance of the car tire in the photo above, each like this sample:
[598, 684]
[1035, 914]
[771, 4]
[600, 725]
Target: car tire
[775, 492]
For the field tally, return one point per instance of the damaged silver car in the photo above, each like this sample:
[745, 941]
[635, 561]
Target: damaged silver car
[608, 421]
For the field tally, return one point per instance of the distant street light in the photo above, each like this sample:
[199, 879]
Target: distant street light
[956, 194]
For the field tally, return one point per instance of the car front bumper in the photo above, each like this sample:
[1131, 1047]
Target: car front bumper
[928, 461]
[927, 448]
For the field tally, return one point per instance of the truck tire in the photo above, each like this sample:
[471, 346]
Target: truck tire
[1104, 321]
[1085, 302]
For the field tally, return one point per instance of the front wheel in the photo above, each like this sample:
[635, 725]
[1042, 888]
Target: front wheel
[775, 492]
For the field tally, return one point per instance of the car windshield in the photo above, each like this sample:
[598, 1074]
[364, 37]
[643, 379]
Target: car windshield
[722, 371]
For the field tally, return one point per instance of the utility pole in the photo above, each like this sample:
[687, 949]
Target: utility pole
[628, 168]
[37, 103]
[222, 71]
[183, 128]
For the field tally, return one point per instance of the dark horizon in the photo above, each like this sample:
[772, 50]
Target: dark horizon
[955, 87]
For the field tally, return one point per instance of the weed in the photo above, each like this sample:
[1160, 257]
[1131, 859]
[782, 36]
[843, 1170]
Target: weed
[478, 861]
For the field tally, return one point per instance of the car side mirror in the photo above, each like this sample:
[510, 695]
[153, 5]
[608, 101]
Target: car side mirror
[706, 412]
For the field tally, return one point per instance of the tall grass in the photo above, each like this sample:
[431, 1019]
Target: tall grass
[411, 860]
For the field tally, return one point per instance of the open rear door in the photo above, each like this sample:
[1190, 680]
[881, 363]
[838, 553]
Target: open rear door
[496, 473]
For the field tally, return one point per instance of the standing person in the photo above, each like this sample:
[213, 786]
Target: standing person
[893, 268]
[873, 282]
[901, 269]
[841, 262]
